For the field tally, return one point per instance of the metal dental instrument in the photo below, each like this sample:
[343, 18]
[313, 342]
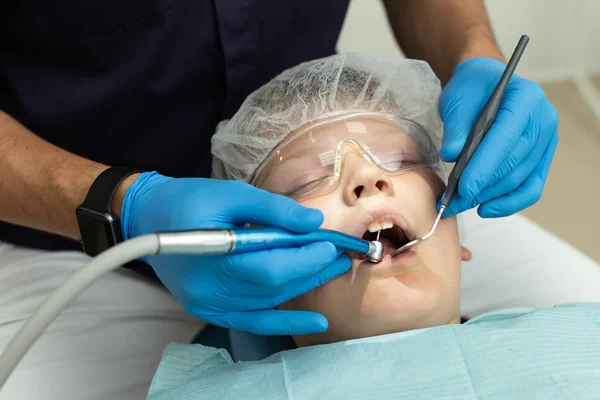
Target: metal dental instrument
[483, 124]
[419, 240]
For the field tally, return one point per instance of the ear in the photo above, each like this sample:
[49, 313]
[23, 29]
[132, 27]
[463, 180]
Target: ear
[466, 254]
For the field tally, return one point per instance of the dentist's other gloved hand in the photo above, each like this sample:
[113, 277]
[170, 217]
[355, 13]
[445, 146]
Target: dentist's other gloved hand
[236, 291]
[508, 171]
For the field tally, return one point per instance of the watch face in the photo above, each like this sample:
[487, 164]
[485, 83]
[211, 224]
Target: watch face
[97, 230]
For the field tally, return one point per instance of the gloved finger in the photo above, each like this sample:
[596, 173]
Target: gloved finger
[458, 205]
[268, 209]
[277, 267]
[495, 147]
[517, 176]
[276, 322]
[332, 270]
[525, 195]
[272, 297]
[535, 139]
[459, 114]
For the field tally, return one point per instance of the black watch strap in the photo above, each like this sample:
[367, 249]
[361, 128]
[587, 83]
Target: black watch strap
[98, 226]
[103, 189]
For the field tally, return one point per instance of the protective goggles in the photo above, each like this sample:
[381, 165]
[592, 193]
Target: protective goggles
[309, 162]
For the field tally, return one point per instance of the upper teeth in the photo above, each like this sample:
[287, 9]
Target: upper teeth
[380, 225]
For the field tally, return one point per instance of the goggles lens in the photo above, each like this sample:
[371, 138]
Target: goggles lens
[309, 163]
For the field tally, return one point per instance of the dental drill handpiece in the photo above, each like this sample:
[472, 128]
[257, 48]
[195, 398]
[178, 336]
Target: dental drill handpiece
[232, 241]
[480, 129]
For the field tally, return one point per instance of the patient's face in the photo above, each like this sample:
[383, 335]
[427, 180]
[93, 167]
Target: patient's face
[416, 289]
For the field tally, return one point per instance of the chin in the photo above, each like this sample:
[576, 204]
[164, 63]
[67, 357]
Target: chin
[402, 309]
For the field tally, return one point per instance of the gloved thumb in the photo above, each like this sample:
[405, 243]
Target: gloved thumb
[277, 322]
[460, 103]
[268, 209]
[459, 114]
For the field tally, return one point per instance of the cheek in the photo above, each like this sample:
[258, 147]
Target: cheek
[330, 209]
[447, 243]
[444, 258]
[422, 181]
[436, 185]
[336, 297]
[442, 251]
[433, 291]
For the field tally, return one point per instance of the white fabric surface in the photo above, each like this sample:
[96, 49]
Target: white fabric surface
[107, 345]
[516, 263]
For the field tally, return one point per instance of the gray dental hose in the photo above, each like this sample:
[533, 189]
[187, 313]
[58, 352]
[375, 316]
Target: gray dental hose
[60, 298]
[484, 122]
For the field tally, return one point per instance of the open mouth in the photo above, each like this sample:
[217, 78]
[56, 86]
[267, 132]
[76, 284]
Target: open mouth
[392, 236]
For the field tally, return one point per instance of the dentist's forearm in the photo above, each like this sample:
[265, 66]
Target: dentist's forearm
[443, 32]
[41, 185]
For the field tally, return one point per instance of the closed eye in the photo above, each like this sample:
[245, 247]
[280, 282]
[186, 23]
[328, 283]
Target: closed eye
[308, 186]
[397, 161]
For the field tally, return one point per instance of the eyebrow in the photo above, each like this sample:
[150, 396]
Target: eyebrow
[282, 165]
[276, 168]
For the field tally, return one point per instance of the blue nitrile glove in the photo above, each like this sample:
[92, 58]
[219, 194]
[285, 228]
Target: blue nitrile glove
[234, 291]
[508, 171]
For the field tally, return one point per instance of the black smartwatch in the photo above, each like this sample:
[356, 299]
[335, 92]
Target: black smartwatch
[98, 226]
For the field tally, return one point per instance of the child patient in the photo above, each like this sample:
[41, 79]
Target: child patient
[354, 136]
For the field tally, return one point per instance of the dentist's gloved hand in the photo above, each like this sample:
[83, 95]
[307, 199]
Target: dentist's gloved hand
[508, 171]
[235, 291]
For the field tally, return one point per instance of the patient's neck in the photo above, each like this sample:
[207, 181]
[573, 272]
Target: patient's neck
[309, 340]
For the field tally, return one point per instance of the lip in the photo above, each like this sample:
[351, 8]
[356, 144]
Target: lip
[389, 266]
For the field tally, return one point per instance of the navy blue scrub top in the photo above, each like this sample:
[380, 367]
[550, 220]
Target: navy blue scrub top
[143, 83]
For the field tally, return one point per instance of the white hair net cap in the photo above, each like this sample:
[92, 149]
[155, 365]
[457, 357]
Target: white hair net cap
[319, 89]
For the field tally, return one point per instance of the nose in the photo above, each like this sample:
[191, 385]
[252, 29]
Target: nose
[363, 179]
